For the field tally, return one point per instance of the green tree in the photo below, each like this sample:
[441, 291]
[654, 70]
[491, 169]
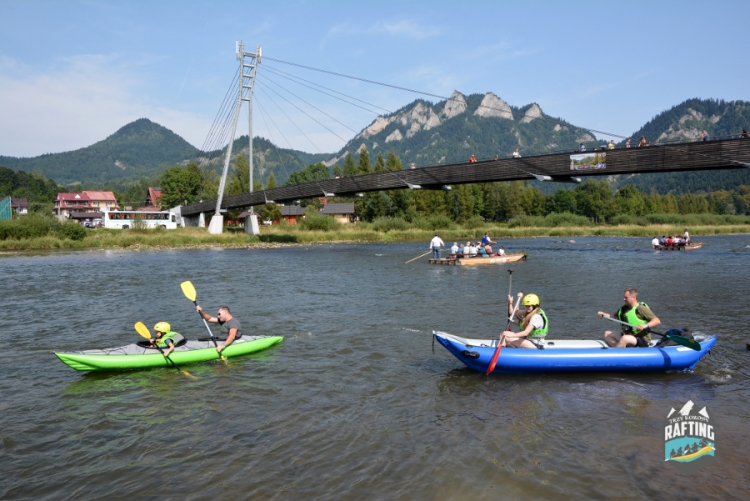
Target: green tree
[364, 162]
[350, 168]
[180, 185]
[629, 201]
[380, 163]
[338, 171]
[271, 181]
[393, 163]
[594, 199]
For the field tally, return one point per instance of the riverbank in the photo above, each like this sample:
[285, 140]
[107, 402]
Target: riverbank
[199, 238]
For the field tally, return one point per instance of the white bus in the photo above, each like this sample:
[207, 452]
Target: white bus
[123, 220]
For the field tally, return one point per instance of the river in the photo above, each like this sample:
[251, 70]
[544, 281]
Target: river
[354, 405]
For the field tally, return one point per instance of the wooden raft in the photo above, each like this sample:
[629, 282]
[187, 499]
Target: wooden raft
[477, 261]
[695, 246]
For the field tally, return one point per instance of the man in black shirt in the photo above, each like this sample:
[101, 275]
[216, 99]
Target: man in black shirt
[230, 326]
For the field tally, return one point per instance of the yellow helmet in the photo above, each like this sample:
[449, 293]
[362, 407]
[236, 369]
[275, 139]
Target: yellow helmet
[165, 327]
[530, 300]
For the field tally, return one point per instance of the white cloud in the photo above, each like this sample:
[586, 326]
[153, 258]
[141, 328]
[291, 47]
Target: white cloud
[86, 100]
[403, 29]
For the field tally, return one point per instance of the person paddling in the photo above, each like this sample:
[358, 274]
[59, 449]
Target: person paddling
[532, 321]
[165, 337]
[230, 326]
[634, 313]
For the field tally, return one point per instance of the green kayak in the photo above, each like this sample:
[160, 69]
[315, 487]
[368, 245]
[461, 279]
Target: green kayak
[141, 356]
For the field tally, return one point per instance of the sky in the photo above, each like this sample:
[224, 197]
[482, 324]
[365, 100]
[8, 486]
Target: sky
[74, 72]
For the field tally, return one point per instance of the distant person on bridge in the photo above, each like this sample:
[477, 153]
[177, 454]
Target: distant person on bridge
[743, 134]
[516, 154]
[611, 145]
[581, 147]
[472, 159]
[230, 326]
[435, 246]
[627, 143]
[705, 136]
[642, 142]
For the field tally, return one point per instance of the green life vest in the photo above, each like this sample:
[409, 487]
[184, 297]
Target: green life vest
[175, 337]
[540, 333]
[632, 318]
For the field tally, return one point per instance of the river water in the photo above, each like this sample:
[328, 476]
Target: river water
[353, 404]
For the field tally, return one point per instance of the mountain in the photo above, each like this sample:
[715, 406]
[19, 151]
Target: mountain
[450, 131]
[686, 122]
[267, 159]
[141, 148]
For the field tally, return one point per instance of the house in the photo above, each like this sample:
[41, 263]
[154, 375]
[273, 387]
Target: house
[153, 198]
[65, 203]
[343, 213]
[20, 206]
[87, 201]
[102, 200]
[292, 214]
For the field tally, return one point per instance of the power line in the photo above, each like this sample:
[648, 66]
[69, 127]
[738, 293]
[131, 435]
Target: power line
[312, 106]
[294, 78]
[306, 113]
[418, 91]
[292, 121]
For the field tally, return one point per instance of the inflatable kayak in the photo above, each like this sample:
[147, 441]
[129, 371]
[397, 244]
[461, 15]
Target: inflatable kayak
[574, 356]
[141, 355]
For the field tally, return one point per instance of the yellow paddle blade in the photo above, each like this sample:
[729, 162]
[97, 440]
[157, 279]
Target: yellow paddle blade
[142, 330]
[188, 290]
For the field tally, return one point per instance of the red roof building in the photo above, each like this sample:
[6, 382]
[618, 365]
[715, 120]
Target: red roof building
[153, 198]
[87, 201]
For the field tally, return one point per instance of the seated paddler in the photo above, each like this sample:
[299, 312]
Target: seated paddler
[637, 314]
[165, 337]
[531, 320]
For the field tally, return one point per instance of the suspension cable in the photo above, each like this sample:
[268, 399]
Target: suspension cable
[290, 120]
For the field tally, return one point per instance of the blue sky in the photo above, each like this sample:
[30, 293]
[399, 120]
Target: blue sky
[73, 72]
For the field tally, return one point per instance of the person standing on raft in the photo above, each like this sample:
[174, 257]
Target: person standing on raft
[634, 313]
[165, 337]
[532, 321]
[435, 245]
[230, 326]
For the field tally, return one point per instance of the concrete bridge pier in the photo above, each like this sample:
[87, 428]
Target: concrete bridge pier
[251, 225]
[202, 220]
[216, 226]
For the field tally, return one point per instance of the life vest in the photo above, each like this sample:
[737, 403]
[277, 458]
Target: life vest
[539, 333]
[175, 337]
[632, 318]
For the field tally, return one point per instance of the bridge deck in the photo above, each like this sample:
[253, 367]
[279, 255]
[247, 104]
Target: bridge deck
[721, 154]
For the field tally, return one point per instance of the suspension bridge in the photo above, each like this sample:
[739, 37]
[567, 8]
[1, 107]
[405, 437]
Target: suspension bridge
[568, 166]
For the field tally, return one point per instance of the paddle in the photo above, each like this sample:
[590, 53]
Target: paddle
[423, 255]
[493, 361]
[191, 294]
[690, 343]
[144, 332]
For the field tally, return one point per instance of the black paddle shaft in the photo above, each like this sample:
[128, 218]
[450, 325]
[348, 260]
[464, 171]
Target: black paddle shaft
[170, 360]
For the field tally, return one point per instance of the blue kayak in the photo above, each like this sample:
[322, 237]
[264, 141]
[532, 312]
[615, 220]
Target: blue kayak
[574, 356]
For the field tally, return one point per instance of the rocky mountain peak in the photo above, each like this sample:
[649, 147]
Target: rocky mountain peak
[532, 114]
[454, 106]
[493, 106]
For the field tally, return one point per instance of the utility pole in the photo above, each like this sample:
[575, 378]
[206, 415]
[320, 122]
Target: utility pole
[249, 61]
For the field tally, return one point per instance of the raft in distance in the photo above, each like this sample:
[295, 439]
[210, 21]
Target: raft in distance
[688, 247]
[478, 261]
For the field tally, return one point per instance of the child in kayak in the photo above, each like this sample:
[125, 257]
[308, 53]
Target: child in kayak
[165, 337]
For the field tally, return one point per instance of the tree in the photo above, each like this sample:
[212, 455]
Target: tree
[380, 163]
[629, 201]
[594, 199]
[180, 185]
[364, 161]
[271, 181]
[338, 171]
[393, 163]
[350, 168]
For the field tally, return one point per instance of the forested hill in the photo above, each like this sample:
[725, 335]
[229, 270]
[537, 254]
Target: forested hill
[686, 122]
[141, 148]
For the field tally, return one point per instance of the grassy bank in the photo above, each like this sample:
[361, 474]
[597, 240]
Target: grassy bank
[362, 232]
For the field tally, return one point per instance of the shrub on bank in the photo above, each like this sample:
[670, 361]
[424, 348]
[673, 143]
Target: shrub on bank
[385, 224]
[317, 222]
[550, 221]
[31, 226]
[71, 230]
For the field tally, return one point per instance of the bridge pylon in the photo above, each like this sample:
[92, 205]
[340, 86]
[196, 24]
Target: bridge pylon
[248, 65]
